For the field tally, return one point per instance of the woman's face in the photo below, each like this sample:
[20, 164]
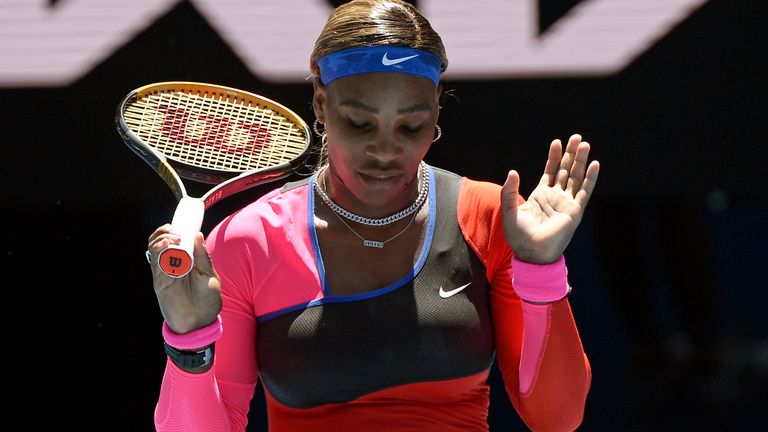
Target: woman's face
[380, 126]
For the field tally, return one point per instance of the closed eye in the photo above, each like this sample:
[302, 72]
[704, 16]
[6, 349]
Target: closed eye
[360, 126]
[412, 129]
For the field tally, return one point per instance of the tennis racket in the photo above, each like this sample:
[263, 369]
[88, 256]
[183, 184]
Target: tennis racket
[209, 134]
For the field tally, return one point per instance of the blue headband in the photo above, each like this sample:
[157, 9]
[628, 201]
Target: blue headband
[353, 61]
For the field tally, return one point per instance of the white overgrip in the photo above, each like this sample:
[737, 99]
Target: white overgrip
[177, 260]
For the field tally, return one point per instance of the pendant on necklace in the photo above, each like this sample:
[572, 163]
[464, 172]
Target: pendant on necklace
[373, 244]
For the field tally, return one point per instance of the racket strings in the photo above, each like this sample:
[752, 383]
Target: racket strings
[215, 130]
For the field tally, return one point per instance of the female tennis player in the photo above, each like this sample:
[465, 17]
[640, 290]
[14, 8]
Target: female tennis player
[376, 294]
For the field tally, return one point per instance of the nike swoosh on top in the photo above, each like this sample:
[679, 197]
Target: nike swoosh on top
[389, 62]
[446, 294]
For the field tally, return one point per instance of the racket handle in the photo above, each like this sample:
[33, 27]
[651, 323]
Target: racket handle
[177, 260]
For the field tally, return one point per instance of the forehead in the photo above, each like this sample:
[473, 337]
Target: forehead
[378, 86]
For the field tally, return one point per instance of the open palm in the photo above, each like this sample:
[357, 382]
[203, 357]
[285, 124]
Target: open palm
[540, 228]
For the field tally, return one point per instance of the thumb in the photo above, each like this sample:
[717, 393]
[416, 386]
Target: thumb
[510, 193]
[202, 258]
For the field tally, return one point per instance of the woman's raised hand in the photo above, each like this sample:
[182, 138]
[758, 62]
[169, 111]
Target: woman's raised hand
[539, 229]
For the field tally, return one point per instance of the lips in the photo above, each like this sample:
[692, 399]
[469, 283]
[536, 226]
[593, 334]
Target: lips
[380, 179]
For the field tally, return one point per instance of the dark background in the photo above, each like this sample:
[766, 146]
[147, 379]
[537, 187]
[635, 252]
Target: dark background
[681, 202]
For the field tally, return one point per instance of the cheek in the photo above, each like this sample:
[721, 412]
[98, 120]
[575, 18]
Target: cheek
[340, 150]
[423, 142]
[339, 133]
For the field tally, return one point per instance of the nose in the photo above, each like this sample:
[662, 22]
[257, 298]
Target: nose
[385, 148]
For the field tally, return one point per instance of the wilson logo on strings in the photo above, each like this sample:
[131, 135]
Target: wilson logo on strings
[221, 133]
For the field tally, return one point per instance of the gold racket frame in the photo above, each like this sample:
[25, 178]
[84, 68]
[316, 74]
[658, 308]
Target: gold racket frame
[211, 133]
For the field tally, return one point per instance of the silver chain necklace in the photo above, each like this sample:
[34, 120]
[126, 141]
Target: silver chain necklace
[339, 211]
[375, 243]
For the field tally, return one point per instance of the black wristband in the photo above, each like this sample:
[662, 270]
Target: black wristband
[190, 359]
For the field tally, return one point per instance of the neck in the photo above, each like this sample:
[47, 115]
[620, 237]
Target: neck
[338, 191]
[381, 217]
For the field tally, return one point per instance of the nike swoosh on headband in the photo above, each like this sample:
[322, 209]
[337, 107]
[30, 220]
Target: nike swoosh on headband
[445, 294]
[389, 62]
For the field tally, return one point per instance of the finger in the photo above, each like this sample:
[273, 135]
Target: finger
[588, 186]
[162, 229]
[576, 177]
[162, 241]
[510, 194]
[553, 162]
[566, 162]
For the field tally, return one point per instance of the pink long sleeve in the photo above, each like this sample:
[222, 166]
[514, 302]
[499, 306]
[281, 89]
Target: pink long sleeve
[217, 400]
[245, 259]
[211, 401]
[184, 397]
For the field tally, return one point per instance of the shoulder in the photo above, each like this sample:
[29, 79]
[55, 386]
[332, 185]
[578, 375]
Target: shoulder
[473, 196]
[275, 213]
[478, 212]
[469, 188]
[477, 195]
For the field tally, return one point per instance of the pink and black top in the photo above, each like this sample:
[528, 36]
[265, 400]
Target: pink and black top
[401, 357]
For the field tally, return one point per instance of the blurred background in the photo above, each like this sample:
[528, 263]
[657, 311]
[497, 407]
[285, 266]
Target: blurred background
[667, 268]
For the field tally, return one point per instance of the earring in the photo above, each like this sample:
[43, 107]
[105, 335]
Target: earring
[317, 128]
[439, 133]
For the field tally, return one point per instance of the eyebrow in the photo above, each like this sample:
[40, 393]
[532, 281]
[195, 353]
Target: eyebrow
[422, 106]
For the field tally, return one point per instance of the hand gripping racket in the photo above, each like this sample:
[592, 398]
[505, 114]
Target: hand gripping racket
[210, 134]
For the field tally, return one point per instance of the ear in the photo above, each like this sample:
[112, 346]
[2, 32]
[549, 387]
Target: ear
[318, 99]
